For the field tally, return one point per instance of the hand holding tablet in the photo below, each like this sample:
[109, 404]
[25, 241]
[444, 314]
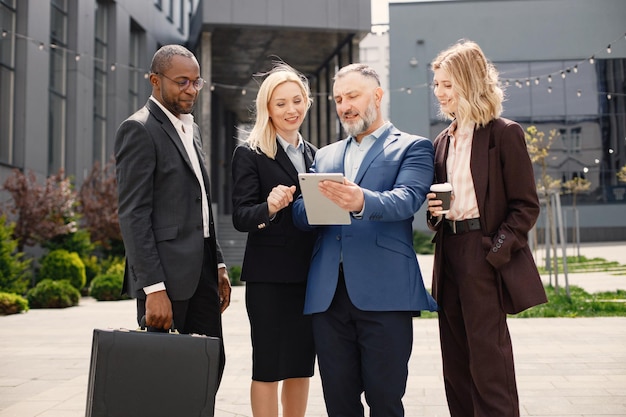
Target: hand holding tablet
[319, 209]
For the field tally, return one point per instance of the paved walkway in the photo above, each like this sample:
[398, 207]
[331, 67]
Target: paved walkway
[565, 367]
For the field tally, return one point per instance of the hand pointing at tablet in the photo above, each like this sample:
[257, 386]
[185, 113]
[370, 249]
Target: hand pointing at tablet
[280, 197]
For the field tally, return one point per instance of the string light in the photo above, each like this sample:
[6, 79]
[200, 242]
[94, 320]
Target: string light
[408, 90]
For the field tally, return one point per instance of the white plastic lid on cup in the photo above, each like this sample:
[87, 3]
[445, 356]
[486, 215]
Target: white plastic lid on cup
[441, 188]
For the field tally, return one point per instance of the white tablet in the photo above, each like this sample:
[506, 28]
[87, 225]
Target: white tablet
[319, 209]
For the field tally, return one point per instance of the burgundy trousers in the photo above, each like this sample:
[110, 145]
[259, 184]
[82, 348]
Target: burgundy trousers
[478, 368]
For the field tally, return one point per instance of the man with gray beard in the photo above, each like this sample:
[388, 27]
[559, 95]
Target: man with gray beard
[364, 284]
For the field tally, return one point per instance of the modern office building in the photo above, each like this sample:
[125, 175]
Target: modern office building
[564, 65]
[72, 70]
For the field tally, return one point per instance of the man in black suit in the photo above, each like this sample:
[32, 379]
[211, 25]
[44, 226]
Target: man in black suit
[174, 265]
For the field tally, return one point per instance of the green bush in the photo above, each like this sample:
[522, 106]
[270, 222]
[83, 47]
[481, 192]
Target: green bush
[422, 243]
[14, 268]
[12, 303]
[63, 265]
[78, 241]
[234, 273]
[53, 294]
[107, 287]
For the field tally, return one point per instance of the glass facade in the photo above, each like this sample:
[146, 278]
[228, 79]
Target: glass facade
[100, 85]
[7, 77]
[584, 102]
[57, 86]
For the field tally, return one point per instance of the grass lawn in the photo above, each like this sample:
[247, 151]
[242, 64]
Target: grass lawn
[580, 303]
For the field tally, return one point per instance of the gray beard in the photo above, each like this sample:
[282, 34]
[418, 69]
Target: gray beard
[360, 126]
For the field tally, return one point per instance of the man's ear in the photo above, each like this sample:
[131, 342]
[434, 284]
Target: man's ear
[378, 93]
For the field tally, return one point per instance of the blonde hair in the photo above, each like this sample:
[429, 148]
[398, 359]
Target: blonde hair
[475, 82]
[262, 137]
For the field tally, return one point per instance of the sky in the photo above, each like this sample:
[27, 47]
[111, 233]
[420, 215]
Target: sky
[380, 12]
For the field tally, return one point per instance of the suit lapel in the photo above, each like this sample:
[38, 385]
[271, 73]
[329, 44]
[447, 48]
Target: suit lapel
[308, 157]
[441, 156]
[387, 137]
[169, 128]
[285, 163]
[479, 162]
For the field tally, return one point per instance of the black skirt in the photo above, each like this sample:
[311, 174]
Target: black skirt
[282, 338]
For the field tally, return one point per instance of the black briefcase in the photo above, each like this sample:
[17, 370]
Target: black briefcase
[134, 373]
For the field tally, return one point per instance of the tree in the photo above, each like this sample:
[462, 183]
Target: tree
[41, 212]
[575, 186]
[539, 149]
[98, 205]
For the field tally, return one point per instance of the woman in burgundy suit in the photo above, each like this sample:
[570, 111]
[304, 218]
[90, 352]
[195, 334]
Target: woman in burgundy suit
[483, 266]
[276, 262]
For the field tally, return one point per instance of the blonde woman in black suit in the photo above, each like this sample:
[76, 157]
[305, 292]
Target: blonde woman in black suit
[265, 173]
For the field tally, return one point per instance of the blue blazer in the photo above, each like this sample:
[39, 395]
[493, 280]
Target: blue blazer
[380, 265]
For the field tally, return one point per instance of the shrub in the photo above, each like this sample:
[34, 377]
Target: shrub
[14, 269]
[63, 265]
[107, 287]
[12, 303]
[53, 294]
[234, 273]
[422, 243]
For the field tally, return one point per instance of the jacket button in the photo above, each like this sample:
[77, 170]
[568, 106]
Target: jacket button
[502, 237]
[494, 250]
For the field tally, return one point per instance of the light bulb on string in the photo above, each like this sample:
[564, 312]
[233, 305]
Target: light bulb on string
[575, 69]
[537, 81]
[41, 46]
[212, 88]
[77, 57]
[608, 96]
[549, 89]
[243, 92]
[579, 93]
[563, 74]
[4, 33]
[592, 60]
[113, 67]
[409, 91]
[527, 82]
[608, 49]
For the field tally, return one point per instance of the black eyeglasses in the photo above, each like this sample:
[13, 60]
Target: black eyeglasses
[184, 84]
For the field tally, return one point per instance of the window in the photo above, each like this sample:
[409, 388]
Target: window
[57, 97]
[7, 76]
[135, 77]
[100, 85]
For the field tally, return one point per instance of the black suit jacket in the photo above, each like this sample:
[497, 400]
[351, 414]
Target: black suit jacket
[276, 251]
[160, 205]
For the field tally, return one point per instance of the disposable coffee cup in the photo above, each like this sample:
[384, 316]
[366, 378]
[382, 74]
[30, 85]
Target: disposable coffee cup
[443, 192]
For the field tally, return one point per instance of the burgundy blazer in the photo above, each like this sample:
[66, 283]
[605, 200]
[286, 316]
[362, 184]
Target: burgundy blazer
[508, 205]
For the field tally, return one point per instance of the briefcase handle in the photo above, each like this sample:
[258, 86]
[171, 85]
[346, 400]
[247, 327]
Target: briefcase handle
[143, 328]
